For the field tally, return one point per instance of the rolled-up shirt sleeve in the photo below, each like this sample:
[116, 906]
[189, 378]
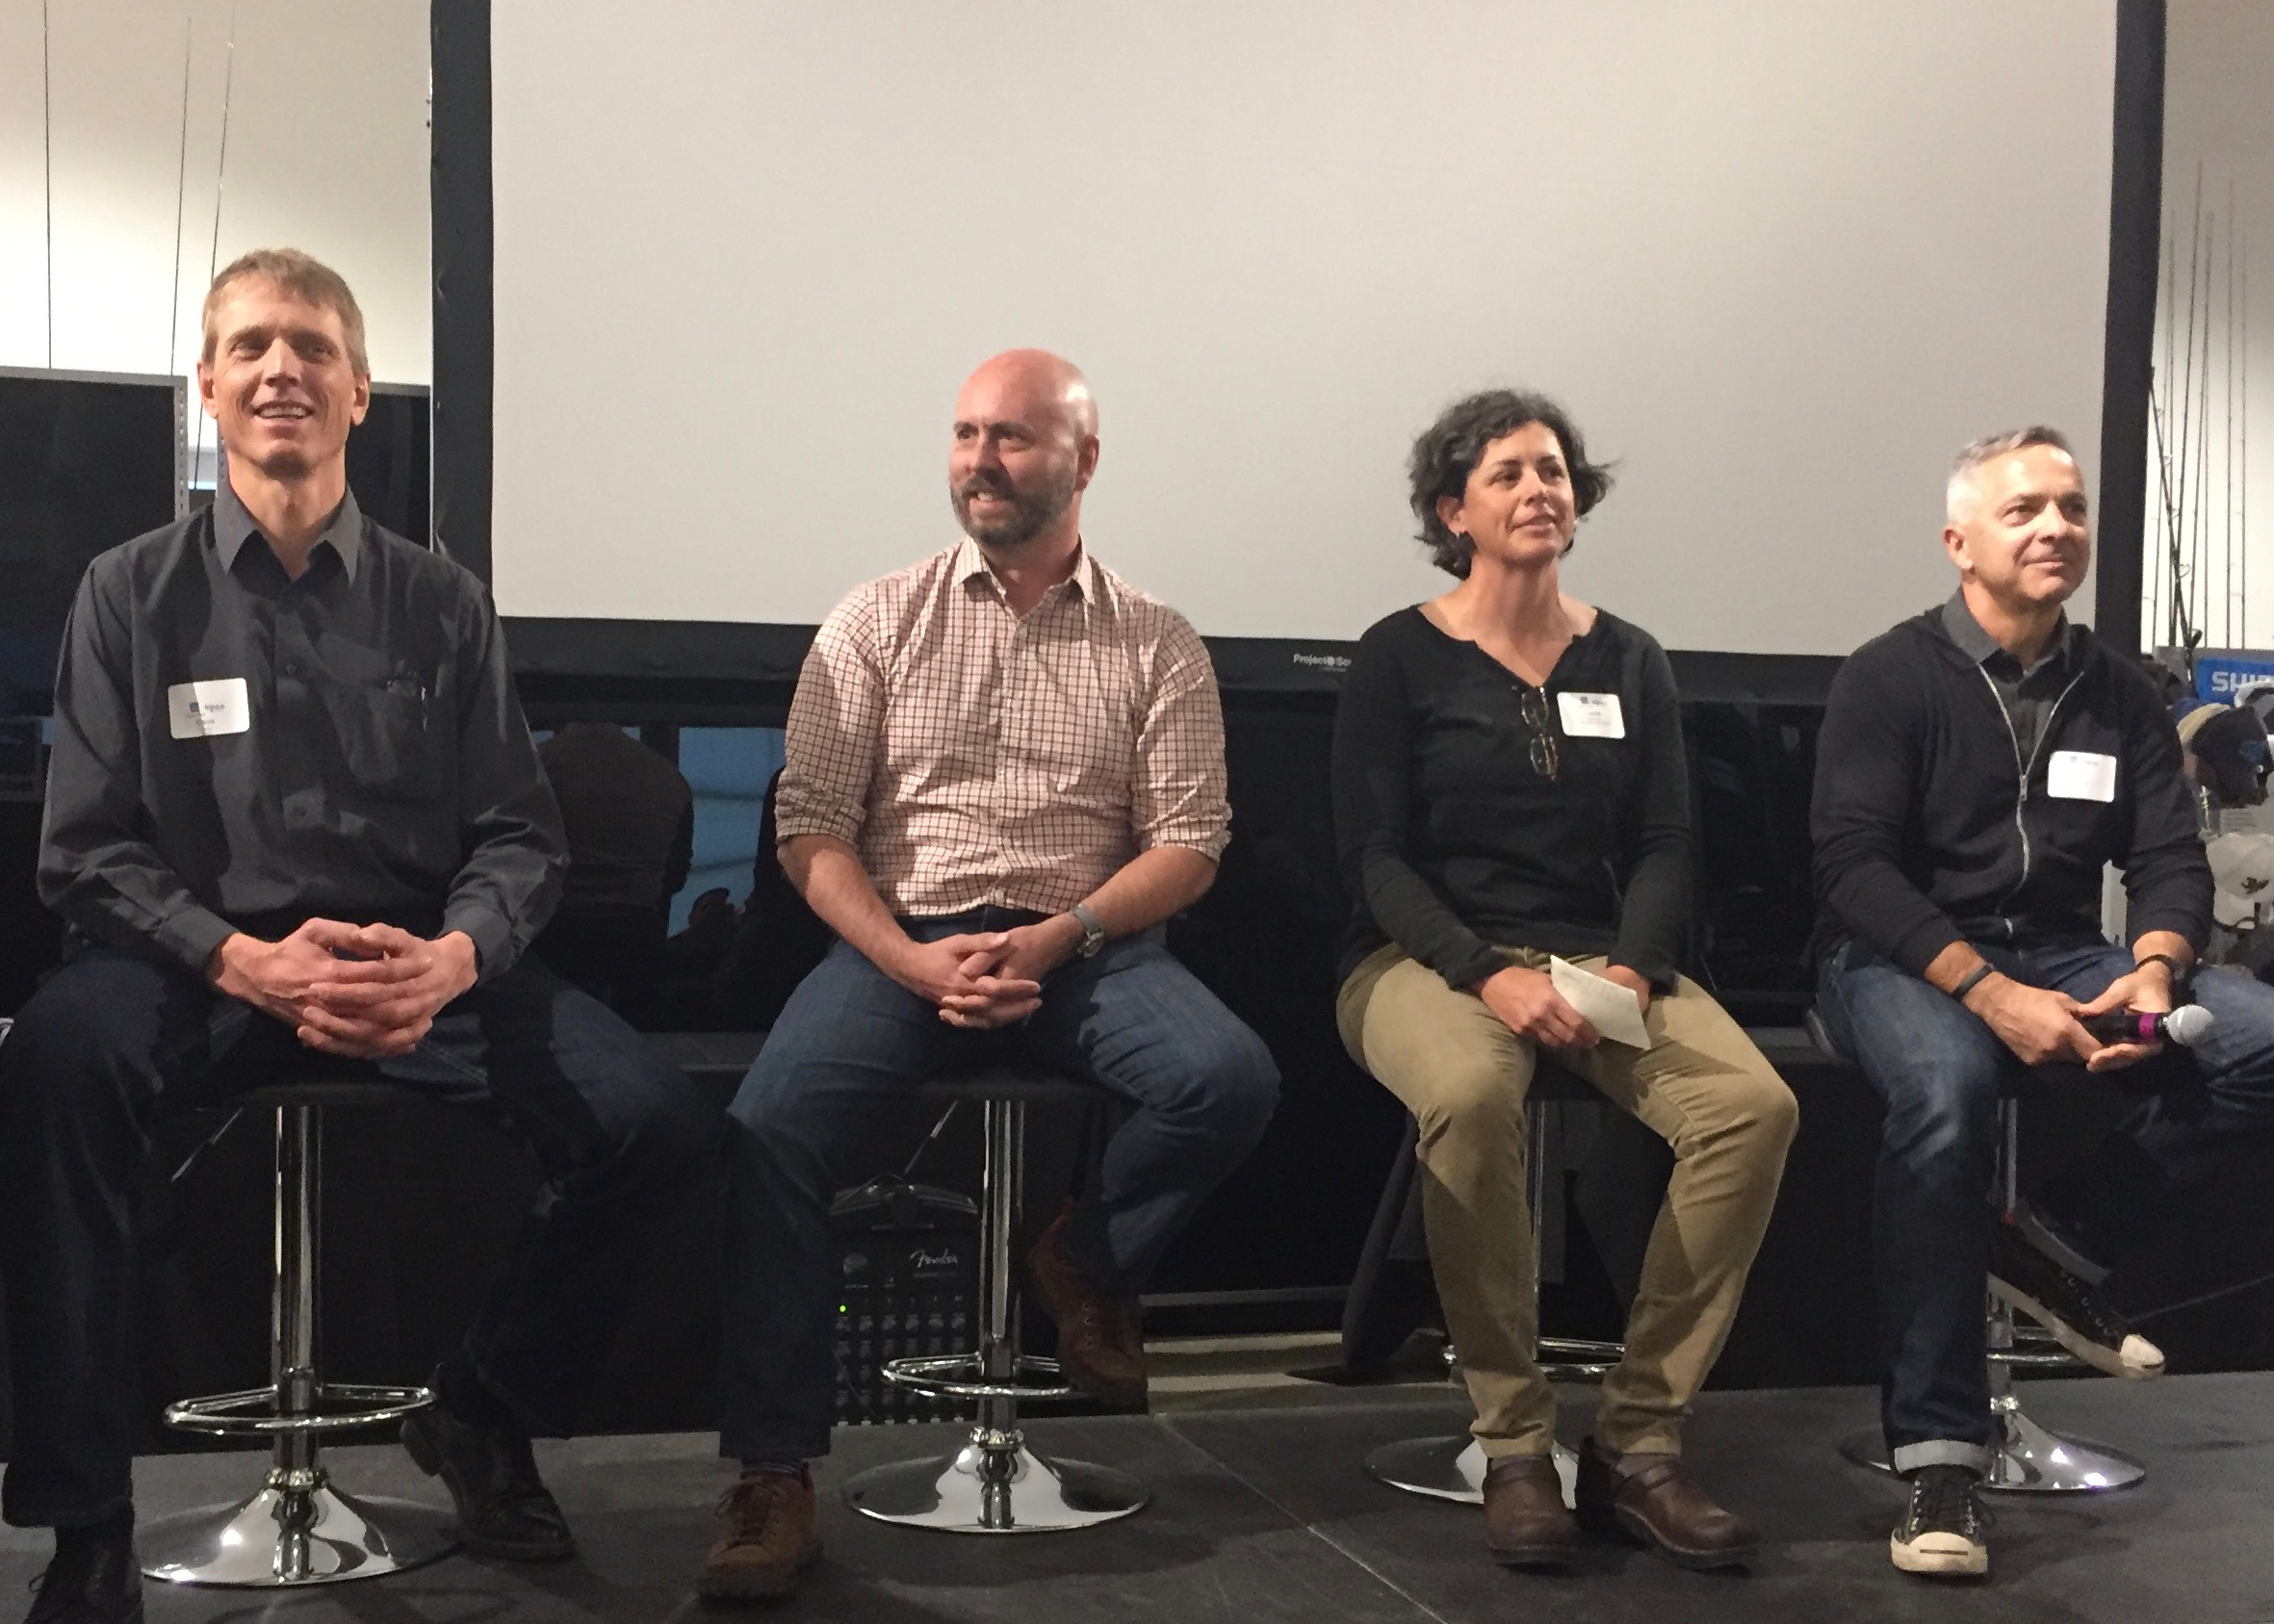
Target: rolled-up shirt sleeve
[836, 729]
[99, 866]
[516, 850]
[1181, 788]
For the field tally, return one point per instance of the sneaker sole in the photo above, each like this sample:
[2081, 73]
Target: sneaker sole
[756, 1586]
[1952, 1559]
[428, 1457]
[2104, 1359]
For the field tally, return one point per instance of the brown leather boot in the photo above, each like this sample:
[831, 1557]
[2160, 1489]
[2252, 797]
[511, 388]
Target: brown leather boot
[1099, 1348]
[1526, 1524]
[766, 1538]
[1659, 1506]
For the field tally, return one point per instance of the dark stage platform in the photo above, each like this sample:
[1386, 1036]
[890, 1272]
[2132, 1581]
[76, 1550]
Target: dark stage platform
[1264, 1513]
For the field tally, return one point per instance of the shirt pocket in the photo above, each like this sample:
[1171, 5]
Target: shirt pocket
[385, 741]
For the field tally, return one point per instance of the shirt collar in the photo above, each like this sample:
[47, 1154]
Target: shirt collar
[1979, 645]
[233, 527]
[970, 564]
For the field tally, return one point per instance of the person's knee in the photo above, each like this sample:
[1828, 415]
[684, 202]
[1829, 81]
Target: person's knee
[674, 1128]
[1940, 1118]
[1472, 1099]
[1764, 1109]
[1234, 1084]
[71, 1033]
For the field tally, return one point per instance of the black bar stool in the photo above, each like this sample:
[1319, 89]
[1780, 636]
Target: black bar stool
[2027, 1457]
[1452, 1467]
[296, 1529]
[994, 1483]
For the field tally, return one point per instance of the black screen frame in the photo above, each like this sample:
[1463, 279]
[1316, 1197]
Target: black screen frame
[706, 663]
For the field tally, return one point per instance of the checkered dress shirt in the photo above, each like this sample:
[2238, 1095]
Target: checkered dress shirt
[975, 758]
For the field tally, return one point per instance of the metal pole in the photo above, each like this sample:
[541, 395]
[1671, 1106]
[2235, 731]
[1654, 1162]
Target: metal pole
[295, 1474]
[996, 1438]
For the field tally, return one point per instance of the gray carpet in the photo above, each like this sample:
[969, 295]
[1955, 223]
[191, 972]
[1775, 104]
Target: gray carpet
[1263, 1514]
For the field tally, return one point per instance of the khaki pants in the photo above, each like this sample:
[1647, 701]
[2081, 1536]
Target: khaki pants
[1702, 1087]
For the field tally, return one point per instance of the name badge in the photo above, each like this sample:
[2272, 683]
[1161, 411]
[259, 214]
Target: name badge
[2080, 775]
[201, 709]
[1592, 715]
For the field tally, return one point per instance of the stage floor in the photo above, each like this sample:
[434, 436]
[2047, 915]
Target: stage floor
[1261, 1512]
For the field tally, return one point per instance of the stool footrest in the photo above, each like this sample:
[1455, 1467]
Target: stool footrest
[936, 1376]
[1577, 1359]
[253, 1413]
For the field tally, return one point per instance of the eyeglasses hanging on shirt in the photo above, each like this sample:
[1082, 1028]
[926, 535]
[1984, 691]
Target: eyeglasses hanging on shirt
[1532, 703]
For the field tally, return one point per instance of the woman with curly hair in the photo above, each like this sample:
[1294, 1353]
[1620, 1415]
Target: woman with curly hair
[1510, 786]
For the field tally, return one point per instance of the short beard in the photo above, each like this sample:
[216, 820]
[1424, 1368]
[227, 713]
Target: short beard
[1032, 512]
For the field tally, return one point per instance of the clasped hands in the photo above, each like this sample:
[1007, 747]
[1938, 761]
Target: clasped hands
[1528, 1004]
[982, 981]
[2041, 1025]
[366, 991]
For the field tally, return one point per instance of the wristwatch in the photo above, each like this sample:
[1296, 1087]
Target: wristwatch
[1093, 932]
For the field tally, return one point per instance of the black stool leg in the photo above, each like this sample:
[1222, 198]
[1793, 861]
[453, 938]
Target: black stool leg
[994, 1483]
[2028, 1459]
[298, 1529]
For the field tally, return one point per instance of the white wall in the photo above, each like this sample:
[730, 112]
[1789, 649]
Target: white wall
[327, 151]
[2218, 123]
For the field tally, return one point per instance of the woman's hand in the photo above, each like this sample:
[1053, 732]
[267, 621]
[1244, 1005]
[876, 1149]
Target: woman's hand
[1634, 980]
[1528, 1004]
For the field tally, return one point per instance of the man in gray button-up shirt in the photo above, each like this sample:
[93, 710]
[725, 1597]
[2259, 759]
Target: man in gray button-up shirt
[293, 808]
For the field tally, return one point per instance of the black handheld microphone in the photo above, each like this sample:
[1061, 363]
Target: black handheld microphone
[2188, 1025]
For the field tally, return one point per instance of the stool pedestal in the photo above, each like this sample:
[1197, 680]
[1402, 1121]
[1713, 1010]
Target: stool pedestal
[2026, 1458]
[296, 1529]
[994, 1483]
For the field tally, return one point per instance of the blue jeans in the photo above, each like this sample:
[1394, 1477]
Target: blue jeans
[1201, 1086]
[117, 1041]
[1938, 1068]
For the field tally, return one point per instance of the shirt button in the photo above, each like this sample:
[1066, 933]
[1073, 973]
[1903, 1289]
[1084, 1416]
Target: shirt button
[292, 668]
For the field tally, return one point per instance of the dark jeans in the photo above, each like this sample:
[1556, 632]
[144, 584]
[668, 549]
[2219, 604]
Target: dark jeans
[1938, 1067]
[1201, 1086]
[117, 1041]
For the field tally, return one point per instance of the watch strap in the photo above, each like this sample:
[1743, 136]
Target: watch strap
[2178, 972]
[1093, 929]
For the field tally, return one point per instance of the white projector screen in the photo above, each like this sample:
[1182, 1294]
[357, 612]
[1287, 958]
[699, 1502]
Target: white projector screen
[1778, 259]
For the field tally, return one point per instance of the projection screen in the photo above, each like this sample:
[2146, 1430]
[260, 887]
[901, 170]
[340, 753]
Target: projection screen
[1779, 259]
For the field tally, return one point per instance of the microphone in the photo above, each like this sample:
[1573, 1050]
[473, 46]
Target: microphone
[2188, 1024]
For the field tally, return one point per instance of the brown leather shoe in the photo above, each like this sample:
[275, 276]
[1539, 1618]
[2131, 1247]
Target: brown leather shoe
[766, 1538]
[1526, 1523]
[1099, 1348]
[1659, 1506]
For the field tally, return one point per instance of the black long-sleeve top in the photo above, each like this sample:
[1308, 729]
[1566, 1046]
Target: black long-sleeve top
[1933, 824]
[235, 750]
[1452, 843]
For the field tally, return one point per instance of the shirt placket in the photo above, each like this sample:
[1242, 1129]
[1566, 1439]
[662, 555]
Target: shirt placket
[295, 673]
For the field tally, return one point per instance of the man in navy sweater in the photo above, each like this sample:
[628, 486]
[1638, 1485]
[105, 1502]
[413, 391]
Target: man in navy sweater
[1979, 767]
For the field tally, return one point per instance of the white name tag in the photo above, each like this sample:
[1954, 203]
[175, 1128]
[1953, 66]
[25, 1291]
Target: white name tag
[1592, 715]
[2080, 775]
[201, 709]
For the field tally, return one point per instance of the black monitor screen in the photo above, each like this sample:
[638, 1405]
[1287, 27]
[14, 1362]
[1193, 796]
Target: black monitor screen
[85, 464]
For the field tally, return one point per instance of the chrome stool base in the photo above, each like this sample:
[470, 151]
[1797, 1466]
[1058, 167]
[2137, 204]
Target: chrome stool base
[283, 1539]
[996, 1485]
[2029, 1459]
[1450, 1468]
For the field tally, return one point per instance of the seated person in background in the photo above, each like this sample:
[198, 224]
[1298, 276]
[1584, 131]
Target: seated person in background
[293, 807]
[1978, 767]
[629, 818]
[1005, 772]
[1510, 785]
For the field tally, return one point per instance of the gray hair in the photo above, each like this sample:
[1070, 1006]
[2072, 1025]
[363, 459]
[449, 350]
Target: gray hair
[1959, 494]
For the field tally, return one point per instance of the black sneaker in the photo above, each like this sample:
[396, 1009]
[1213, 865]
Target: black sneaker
[93, 1580]
[505, 1510]
[2074, 1308]
[1942, 1533]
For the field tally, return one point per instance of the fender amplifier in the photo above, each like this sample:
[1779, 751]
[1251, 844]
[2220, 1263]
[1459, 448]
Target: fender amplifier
[908, 1284]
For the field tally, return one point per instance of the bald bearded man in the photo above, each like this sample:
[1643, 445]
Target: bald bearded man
[1005, 772]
